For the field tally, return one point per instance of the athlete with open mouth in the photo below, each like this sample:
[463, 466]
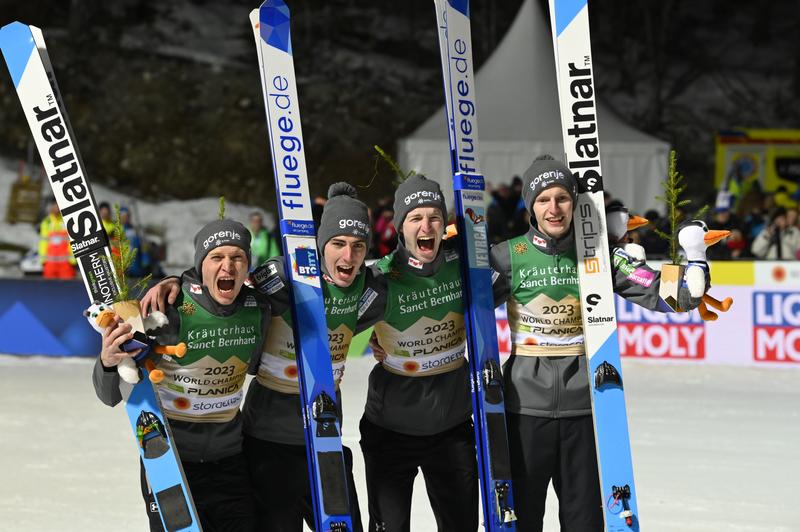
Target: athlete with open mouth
[274, 440]
[418, 410]
[210, 302]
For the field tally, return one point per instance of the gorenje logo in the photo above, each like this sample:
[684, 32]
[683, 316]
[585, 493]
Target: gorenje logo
[586, 164]
[776, 327]
[356, 224]
[222, 236]
[547, 178]
[422, 196]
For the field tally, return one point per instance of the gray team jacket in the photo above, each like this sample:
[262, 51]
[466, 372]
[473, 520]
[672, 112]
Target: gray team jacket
[418, 406]
[269, 414]
[556, 386]
[196, 442]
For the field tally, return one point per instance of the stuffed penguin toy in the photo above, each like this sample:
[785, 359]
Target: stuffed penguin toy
[101, 316]
[618, 222]
[695, 237]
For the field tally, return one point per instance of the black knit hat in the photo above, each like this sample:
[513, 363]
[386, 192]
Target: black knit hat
[219, 233]
[543, 173]
[344, 215]
[417, 191]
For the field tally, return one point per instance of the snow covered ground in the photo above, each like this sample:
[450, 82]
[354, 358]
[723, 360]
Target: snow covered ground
[715, 449]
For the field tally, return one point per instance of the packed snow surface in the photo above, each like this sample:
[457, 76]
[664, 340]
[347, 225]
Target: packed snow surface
[715, 448]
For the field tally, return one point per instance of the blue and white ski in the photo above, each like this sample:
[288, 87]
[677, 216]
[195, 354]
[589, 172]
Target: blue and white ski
[573, 55]
[323, 435]
[491, 440]
[32, 74]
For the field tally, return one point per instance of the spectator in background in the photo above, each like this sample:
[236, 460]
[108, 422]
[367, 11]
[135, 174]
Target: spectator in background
[104, 210]
[263, 244]
[496, 214]
[385, 232]
[792, 218]
[317, 206]
[723, 218]
[138, 267]
[518, 215]
[654, 245]
[735, 246]
[54, 249]
[777, 241]
[751, 209]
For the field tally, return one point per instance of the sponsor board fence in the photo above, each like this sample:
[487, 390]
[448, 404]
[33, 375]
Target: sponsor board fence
[761, 329]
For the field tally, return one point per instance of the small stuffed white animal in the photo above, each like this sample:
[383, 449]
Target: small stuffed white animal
[694, 237]
[101, 316]
[618, 222]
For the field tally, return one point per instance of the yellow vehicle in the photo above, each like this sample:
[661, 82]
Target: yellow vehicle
[767, 158]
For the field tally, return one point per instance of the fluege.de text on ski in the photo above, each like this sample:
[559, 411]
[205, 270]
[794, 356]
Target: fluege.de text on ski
[466, 110]
[287, 165]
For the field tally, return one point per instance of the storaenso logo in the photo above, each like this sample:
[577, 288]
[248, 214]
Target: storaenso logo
[69, 185]
[422, 196]
[357, 224]
[585, 164]
[222, 236]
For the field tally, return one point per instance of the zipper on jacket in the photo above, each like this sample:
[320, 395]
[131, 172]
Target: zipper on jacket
[556, 388]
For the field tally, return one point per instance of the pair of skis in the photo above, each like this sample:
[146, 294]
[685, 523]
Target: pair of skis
[325, 459]
[28, 63]
[488, 406]
[573, 56]
[26, 56]
[572, 51]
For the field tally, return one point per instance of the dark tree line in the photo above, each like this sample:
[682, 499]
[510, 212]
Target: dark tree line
[165, 97]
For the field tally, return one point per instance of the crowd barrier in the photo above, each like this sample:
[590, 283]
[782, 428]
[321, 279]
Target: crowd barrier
[45, 317]
[762, 328]
[41, 317]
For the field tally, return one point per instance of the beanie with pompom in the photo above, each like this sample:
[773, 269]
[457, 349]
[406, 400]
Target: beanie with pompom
[343, 215]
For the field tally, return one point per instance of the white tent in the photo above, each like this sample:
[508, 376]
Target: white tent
[517, 108]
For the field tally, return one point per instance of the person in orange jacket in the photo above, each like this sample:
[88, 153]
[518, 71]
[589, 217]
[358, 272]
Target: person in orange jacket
[54, 249]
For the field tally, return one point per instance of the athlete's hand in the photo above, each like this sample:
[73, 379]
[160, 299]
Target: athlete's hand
[377, 351]
[114, 336]
[157, 298]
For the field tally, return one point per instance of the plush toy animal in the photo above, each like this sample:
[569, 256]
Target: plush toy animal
[694, 237]
[101, 316]
[618, 222]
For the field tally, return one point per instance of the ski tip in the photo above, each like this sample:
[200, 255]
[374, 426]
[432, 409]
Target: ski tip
[17, 44]
[12, 25]
[274, 18]
[275, 4]
[462, 6]
[565, 12]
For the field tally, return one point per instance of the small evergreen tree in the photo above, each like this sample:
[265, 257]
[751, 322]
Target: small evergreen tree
[674, 187]
[122, 261]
